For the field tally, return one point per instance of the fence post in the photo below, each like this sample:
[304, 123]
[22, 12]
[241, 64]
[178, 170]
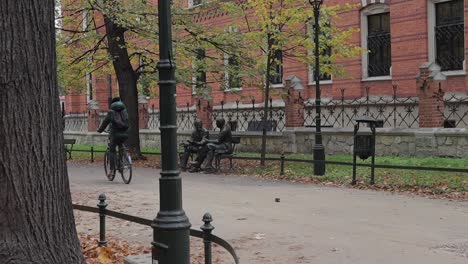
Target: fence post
[282, 164]
[92, 154]
[342, 90]
[102, 220]
[207, 228]
[356, 128]
[395, 88]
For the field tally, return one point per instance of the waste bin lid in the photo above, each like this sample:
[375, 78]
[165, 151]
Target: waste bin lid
[365, 119]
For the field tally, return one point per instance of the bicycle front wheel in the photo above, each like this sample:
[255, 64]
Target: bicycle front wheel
[107, 168]
[126, 168]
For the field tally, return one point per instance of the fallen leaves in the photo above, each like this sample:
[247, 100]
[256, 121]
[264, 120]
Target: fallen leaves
[115, 251]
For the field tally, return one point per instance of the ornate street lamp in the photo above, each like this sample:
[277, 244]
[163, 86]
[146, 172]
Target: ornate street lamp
[171, 227]
[319, 150]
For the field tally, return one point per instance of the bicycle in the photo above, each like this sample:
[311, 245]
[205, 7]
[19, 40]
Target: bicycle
[123, 163]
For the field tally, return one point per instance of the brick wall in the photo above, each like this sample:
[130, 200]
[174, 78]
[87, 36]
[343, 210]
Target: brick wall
[409, 41]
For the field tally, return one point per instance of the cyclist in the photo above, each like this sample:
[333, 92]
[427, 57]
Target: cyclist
[117, 117]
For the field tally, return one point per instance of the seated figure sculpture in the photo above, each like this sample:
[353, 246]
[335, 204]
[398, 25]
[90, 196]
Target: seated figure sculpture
[221, 145]
[196, 142]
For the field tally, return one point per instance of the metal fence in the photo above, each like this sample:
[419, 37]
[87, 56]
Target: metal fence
[390, 111]
[456, 110]
[185, 118]
[251, 118]
[76, 122]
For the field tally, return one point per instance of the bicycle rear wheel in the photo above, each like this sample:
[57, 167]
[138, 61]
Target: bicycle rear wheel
[107, 168]
[125, 166]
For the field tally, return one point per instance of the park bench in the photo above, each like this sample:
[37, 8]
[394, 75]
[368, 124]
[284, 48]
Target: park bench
[69, 142]
[219, 156]
[271, 125]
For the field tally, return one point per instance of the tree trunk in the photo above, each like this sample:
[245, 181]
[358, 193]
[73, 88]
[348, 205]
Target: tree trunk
[36, 215]
[127, 79]
[265, 107]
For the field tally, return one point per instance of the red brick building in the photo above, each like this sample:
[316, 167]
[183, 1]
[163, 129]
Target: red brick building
[406, 39]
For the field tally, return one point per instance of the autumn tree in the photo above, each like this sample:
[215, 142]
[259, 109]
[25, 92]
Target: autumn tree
[97, 34]
[272, 30]
[36, 216]
[94, 38]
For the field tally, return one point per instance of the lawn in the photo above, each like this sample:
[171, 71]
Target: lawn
[439, 182]
[82, 152]
[392, 179]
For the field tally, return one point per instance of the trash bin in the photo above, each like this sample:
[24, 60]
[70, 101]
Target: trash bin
[364, 145]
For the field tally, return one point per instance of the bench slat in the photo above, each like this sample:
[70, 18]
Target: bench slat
[220, 156]
[69, 141]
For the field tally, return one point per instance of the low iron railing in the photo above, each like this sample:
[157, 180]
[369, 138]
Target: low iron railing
[185, 118]
[205, 234]
[284, 159]
[250, 118]
[455, 110]
[76, 122]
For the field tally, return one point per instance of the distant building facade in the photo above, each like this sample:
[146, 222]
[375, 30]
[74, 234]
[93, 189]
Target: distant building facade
[418, 46]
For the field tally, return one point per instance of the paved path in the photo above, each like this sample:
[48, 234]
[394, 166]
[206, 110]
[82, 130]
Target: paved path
[310, 224]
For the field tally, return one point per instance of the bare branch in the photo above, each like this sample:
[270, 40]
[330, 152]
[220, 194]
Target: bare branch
[92, 50]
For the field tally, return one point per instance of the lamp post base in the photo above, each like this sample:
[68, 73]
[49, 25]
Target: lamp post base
[319, 158]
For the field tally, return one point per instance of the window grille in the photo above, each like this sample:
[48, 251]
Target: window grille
[449, 34]
[379, 45]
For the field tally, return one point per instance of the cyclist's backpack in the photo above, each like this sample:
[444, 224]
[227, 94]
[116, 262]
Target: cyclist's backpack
[120, 121]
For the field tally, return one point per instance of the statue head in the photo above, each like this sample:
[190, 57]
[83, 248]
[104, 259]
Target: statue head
[198, 125]
[220, 122]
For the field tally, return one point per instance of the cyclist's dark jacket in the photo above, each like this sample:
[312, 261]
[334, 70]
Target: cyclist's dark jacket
[115, 134]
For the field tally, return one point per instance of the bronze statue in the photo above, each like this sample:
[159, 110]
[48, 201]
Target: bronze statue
[196, 142]
[221, 145]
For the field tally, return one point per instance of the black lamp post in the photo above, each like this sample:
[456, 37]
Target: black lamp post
[319, 150]
[171, 227]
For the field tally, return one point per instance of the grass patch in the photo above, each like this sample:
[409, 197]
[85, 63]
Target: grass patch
[404, 180]
[83, 152]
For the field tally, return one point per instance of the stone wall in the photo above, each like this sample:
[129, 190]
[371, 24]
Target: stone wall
[444, 142]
